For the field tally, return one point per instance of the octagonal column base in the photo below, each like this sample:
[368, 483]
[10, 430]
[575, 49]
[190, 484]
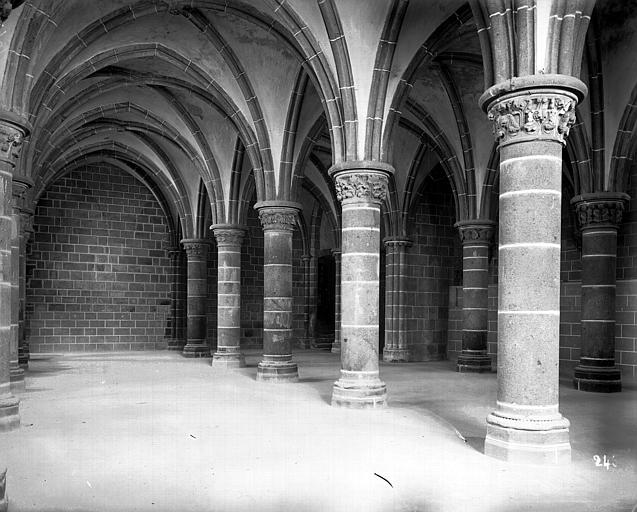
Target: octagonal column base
[528, 440]
[196, 350]
[396, 355]
[9, 413]
[228, 359]
[597, 379]
[359, 390]
[16, 376]
[277, 371]
[473, 363]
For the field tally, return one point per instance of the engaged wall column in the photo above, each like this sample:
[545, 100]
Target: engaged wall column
[279, 220]
[229, 238]
[197, 253]
[476, 237]
[11, 137]
[336, 346]
[530, 123]
[395, 349]
[599, 216]
[361, 187]
[26, 231]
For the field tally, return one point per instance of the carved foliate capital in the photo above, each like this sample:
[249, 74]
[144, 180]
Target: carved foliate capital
[601, 210]
[229, 236]
[278, 218]
[11, 138]
[397, 243]
[525, 116]
[476, 232]
[196, 249]
[364, 185]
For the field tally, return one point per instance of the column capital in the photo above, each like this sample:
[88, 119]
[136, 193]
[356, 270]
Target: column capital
[11, 141]
[476, 231]
[278, 215]
[599, 209]
[306, 258]
[228, 234]
[397, 242]
[534, 107]
[337, 252]
[361, 181]
[196, 247]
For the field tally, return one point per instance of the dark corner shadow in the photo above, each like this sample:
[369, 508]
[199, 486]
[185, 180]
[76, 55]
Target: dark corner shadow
[477, 443]
[50, 369]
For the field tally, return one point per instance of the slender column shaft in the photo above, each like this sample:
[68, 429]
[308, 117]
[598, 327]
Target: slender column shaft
[530, 126]
[197, 252]
[11, 136]
[336, 346]
[278, 219]
[16, 373]
[175, 334]
[395, 349]
[476, 236]
[599, 216]
[229, 239]
[361, 187]
[25, 236]
[307, 340]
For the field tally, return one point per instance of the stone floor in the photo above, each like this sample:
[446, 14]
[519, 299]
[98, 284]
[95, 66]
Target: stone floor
[156, 432]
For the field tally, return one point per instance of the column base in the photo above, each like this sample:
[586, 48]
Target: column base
[277, 371]
[178, 345]
[473, 363]
[23, 356]
[9, 413]
[192, 350]
[305, 343]
[336, 347]
[396, 355]
[359, 390]
[4, 499]
[597, 379]
[541, 441]
[228, 360]
[16, 378]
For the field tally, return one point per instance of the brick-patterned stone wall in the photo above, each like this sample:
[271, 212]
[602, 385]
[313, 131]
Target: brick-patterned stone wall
[252, 283]
[213, 258]
[298, 289]
[434, 264]
[99, 269]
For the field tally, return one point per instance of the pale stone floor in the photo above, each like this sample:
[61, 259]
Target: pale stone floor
[156, 432]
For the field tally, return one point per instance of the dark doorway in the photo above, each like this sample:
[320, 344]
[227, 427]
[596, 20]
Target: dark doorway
[326, 290]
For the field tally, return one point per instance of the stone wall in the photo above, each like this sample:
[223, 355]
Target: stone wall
[433, 265]
[252, 283]
[99, 269]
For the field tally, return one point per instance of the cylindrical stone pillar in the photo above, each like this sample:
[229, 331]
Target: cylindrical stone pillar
[599, 216]
[175, 336]
[476, 237]
[308, 335]
[11, 136]
[26, 231]
[197, 252]
[396, 349]
[336, 346]
[229, 238]
[530, 123]
[278, 219]
[361, 187]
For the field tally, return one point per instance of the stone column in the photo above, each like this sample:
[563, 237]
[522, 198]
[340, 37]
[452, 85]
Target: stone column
[336, 346]
[196, 253]
[278, 219]
[229, 238]
[361, 187]
[395, 349]
[531, 122]
[599, 216]
[307, 341]
[175, 336]
[11, 136]
[26, 231]
[476, 237]
[20, 187]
